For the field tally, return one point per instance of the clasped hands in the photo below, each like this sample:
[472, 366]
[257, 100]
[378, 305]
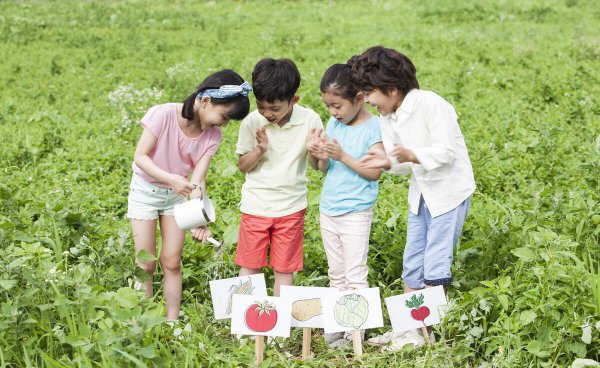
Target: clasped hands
[321, 148]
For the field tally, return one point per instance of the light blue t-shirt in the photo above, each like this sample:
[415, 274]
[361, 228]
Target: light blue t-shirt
[345, 191]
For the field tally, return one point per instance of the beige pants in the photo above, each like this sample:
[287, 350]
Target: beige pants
[346, 242]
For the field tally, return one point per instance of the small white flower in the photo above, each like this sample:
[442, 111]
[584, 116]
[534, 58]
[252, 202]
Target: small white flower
[586, 335]
[177, 332]
[474, 312]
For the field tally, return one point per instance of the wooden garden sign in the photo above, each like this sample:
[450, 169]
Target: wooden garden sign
[417, 309]
[260, 316]
[352, 310]
[307, 312]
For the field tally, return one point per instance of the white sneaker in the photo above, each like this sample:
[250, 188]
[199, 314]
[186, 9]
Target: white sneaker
[339, 343]
[411, 337]
[332, 337]
[431, 336]
[384, 339]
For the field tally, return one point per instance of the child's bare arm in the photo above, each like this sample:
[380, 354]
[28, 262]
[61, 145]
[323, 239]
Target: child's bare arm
[367, 173]
[249, 160]
[199, 176]
[323, 165]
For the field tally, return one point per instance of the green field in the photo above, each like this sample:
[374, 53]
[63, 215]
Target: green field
[76, 76]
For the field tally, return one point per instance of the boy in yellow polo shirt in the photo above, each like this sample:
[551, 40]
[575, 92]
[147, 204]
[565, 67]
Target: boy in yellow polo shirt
[272, 149]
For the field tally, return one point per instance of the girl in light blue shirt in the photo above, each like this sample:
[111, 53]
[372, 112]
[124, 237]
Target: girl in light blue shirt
[349, 191]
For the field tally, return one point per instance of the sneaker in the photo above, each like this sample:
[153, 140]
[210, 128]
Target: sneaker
[411, 337]
[384, 339]
[348, 335]
[331, 337]
[431, 336]
[342, 342]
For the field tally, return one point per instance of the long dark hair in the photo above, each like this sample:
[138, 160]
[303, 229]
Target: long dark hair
[240, 104]
[336, 80]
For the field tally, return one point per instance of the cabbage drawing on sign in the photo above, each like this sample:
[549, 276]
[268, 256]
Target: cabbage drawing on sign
[351, 310]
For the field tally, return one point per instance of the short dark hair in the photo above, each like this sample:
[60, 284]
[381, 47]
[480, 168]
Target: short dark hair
[336, 80]
[385, 69]
[275, 79]
[240, 104]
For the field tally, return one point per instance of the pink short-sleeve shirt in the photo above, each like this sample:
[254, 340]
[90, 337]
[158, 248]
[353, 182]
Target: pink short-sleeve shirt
[175, 152]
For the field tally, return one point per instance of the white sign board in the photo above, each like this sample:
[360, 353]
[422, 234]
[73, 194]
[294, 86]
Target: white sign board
[222, 292]
[416, 309]
[306, 304]
[260, 316]
[352, 310]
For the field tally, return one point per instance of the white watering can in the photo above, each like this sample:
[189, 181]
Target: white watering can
[196, 212]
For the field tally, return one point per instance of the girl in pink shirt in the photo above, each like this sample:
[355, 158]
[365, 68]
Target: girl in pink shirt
[178, 143]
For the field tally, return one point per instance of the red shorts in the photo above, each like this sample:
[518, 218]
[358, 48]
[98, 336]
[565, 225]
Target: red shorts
[284, 235]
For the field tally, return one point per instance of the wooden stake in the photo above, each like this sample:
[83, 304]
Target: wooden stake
[426, 335]
[259, 349]
[306, 336]
[357, 343]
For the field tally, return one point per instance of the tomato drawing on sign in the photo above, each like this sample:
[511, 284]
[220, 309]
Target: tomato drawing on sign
[261, 316]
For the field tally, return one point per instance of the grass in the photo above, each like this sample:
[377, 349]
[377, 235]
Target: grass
[523, 77]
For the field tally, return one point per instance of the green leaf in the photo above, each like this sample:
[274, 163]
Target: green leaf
[524, 254]
[391, 222]
[503, 299]
[8, 284]
[527, 317]
[137, 362]
[147, 352]
[504, 282]
[144, 255]
[21, 236]
[537, 348]
[577, 348]
[126, 297]
[230, 235]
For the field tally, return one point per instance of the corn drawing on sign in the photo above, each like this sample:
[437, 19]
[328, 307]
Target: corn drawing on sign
[243, 289]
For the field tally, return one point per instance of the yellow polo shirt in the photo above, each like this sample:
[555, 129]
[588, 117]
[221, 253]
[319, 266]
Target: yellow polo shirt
[276, 186]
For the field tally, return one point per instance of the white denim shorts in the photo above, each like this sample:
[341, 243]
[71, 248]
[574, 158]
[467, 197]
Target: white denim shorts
[147, 201]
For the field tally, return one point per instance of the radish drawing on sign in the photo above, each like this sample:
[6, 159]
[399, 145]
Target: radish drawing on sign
[418, 311]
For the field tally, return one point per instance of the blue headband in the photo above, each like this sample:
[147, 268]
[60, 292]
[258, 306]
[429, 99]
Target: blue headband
[227, 91]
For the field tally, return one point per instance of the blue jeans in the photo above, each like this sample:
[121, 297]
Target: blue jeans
[430, 245]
